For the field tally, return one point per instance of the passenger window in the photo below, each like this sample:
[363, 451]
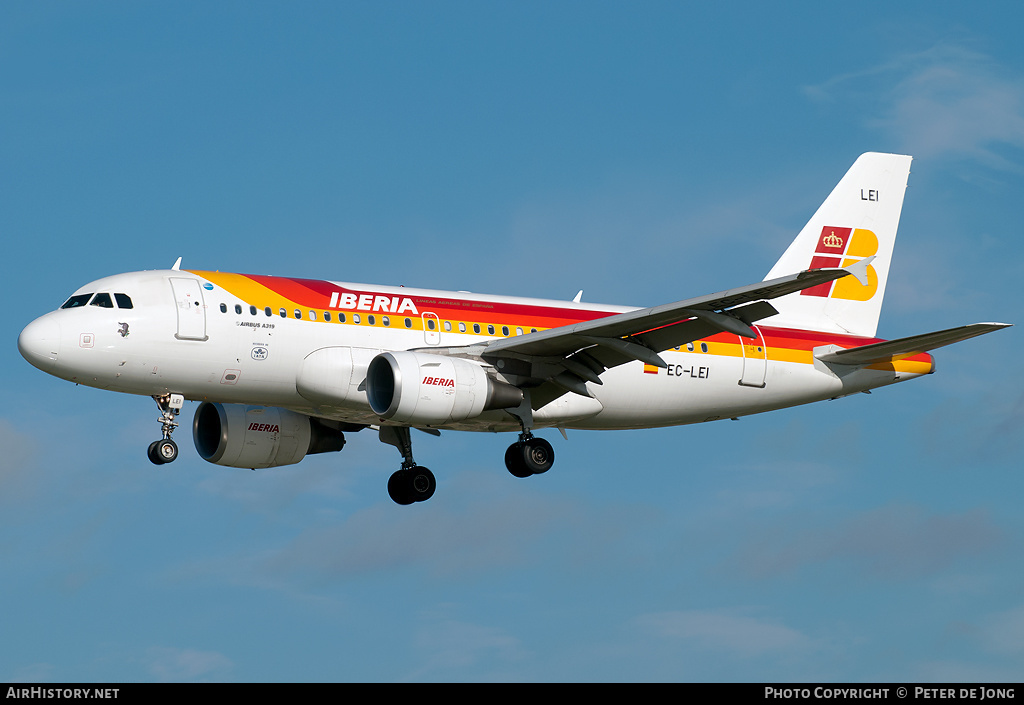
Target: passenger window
[371, 320]
[355, 318]
[689, 347]
[703, 347]
[312, 315]
[386, 321]
[341, 318]
[504, 331]
[490, 329]
[268, 311]
[252, 310]
[448, 326]
[430, 323]
[283, 313]
[476, 327]
[408, 323]
[327, 316]
[462, 327]
[223, 308]
[76, 301]
[123, 301]
[238, 308]
[298, 314]
[102, 300]
[519, 331]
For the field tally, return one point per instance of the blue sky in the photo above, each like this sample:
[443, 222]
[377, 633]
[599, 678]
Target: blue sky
[642, 152]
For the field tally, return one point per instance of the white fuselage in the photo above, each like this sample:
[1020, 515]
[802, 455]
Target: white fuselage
[223, 338]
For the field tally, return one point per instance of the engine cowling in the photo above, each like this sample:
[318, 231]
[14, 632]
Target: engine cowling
[242, 436]
[431, 390]
[334, 376]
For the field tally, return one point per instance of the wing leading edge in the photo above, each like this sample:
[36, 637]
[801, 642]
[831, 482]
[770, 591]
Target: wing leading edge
[569, 356]
[661, 327]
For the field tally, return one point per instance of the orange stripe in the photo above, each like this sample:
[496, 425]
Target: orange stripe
[783, 345]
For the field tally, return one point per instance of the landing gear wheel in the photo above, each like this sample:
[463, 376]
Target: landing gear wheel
[514, 460]
[153, 457]
[163, 451]
[409, 485]
[531, 456]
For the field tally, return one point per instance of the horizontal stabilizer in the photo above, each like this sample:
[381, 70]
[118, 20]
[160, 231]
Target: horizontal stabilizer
[893, 350]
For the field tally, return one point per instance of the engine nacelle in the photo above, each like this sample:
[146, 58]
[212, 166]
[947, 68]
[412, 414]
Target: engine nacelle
[334, 376]
[432, 390]
[242, 436]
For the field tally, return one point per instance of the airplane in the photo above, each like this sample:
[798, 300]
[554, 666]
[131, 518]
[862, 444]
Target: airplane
[285, 367]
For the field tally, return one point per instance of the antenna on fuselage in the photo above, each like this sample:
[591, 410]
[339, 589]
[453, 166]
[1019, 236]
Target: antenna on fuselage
[177, 265]
[578, 297]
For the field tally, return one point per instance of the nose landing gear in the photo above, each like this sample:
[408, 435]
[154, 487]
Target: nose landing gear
[165, 450]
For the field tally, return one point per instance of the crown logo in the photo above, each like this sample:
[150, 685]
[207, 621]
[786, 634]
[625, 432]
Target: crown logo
[832, 240]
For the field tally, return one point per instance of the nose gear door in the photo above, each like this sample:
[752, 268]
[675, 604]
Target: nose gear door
[188, 299]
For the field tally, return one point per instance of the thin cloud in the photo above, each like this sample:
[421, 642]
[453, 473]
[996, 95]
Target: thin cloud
[1004, 632]
[945, 101]
[738, 634]
[892, 542]
[450, 646]
[16, 461]
[169, 664]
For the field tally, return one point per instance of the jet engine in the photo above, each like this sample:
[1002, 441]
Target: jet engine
[242, 436]
[432, 390]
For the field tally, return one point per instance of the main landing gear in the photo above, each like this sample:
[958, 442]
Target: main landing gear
[165, 450]
[412, 483]
[529, 455]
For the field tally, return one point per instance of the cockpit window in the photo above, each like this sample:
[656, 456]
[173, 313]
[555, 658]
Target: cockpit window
[102, 300]
[77, 300]
[123, 300]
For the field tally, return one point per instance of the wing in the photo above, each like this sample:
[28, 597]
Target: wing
[570, 356]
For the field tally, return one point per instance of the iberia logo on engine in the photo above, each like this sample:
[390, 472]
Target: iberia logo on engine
[265, 427]
[841, 247]
[439, 381]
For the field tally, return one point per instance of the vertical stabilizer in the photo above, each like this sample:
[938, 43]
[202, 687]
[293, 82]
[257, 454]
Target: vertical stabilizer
[858, 220]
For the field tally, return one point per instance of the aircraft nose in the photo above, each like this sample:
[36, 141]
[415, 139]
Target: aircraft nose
[39, 343]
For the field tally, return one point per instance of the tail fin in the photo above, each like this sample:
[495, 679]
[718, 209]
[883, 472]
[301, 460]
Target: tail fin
[857, 220]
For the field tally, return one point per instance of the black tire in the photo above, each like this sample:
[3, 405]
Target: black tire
[398, 488]
[421, 484]
[538, 456]
[415, 484]
[166, 450]
[514, 460]
[153, 457]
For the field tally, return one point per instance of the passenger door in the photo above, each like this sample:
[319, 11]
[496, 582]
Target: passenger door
[191, 308]
[755, 360]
